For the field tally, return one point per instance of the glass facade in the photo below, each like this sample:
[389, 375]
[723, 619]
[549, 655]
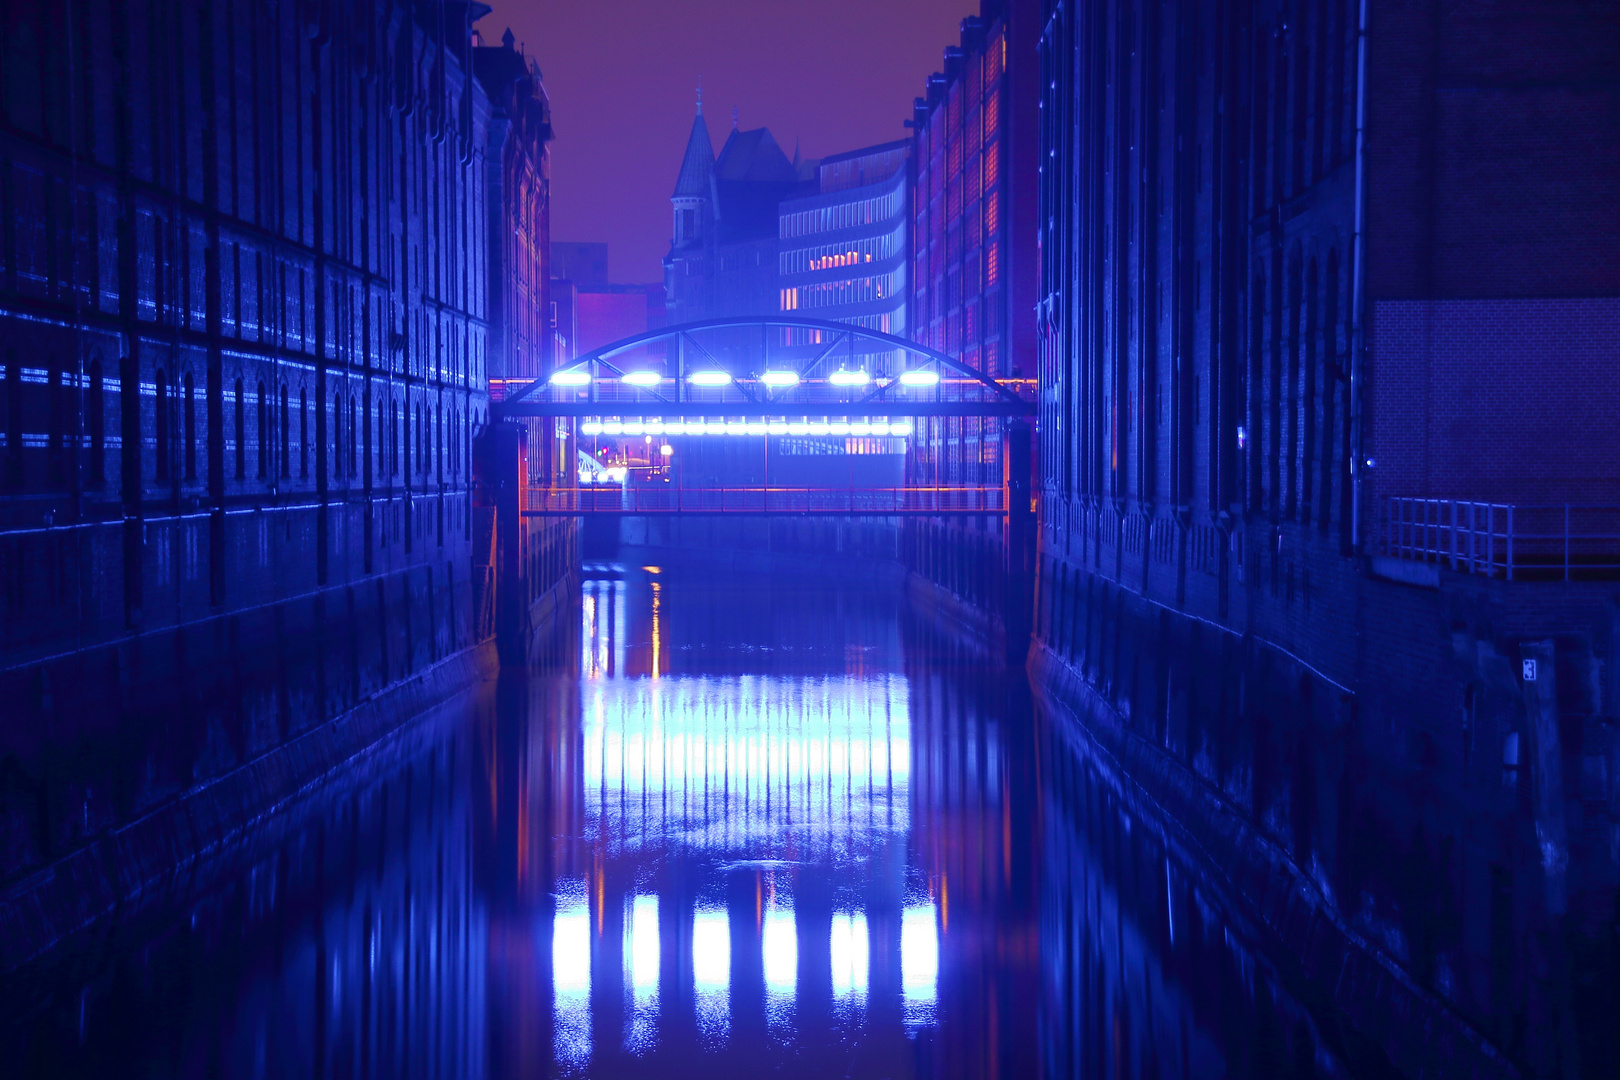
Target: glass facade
[843, 251]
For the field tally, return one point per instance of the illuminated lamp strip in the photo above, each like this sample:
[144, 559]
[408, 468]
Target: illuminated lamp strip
[668, 427]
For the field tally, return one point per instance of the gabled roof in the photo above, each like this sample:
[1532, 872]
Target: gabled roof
[754, 156]
[698, 164]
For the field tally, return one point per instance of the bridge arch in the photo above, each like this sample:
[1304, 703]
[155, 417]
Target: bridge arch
[960, 386]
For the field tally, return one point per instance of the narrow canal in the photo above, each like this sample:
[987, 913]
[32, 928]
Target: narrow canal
[756, 822]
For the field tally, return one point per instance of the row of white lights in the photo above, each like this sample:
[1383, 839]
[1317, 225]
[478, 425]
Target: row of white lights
[774, 379]
[749, 427]
[744, 428]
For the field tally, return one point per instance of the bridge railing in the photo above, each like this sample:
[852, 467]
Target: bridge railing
[656, 499]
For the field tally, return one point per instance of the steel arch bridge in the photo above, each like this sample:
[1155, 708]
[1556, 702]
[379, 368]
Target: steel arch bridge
[757, 367]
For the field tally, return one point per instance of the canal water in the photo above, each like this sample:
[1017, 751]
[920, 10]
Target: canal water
[754, 821]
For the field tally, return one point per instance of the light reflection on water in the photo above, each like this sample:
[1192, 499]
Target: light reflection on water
[756, 827]
[741, 787]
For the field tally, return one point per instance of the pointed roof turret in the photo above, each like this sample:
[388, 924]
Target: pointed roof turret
[698, 164]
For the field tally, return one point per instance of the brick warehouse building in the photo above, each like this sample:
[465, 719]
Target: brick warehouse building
[1303, 265]
[244, 316]
[974, 190]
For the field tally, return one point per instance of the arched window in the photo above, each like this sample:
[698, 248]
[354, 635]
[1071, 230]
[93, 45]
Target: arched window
[393, 448]
[191, 427]
[241, 431]
[98, 423]
[353, 459]
[264, 434]
[421, 441]
[303, 434]
[337, 436]
[286, 435]
[161, 471]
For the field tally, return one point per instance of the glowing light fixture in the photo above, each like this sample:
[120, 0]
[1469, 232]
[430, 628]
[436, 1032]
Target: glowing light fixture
[571, 377]
[666, 450]
[634, 427]
[838, 427]
[641, 378]
[779, 379]
[842, 377]
[613, 427]
[710, 378]
[591, 427]
[919, 378]
[900, 427]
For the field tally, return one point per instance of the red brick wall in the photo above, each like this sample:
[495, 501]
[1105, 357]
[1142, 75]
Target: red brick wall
[1495, 400]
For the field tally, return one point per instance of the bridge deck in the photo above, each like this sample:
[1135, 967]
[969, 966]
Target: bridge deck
[663, 500]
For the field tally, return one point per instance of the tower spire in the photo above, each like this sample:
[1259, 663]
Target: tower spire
[700, 95]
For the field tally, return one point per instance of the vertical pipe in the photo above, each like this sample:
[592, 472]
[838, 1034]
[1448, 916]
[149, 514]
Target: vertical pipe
[1358, 341]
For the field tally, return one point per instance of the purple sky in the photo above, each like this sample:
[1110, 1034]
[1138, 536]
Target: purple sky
[622, 74]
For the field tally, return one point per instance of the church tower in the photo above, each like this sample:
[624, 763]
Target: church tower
[691, 200]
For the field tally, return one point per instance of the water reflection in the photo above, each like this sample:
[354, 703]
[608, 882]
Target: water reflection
[760, 825]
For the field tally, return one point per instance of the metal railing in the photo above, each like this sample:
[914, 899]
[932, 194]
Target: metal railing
[658, 499]
[1544, 542]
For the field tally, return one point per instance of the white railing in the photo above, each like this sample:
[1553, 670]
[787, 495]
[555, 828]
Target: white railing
[1555, 541]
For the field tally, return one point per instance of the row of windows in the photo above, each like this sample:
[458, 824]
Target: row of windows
[843, 215]
[279, 442]
[849, 253]
[860, 290]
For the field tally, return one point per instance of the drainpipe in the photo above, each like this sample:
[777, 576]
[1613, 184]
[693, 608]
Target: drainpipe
[1358, 303]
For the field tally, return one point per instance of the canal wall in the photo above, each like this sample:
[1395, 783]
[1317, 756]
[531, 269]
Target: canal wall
[1426, 839]
[124, 761]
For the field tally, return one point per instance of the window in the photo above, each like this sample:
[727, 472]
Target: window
[241, 433]
[191, 427]
[264, 434]
[303, 434]
[56, 447]
[286, 432]
[98, 424]
[353, 438]
[162, 408]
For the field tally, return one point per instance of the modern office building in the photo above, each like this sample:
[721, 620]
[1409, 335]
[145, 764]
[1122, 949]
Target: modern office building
[843, 248]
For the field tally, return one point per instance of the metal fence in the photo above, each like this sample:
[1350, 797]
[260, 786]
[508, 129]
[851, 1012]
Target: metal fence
[660, 499]
[1548, 542]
